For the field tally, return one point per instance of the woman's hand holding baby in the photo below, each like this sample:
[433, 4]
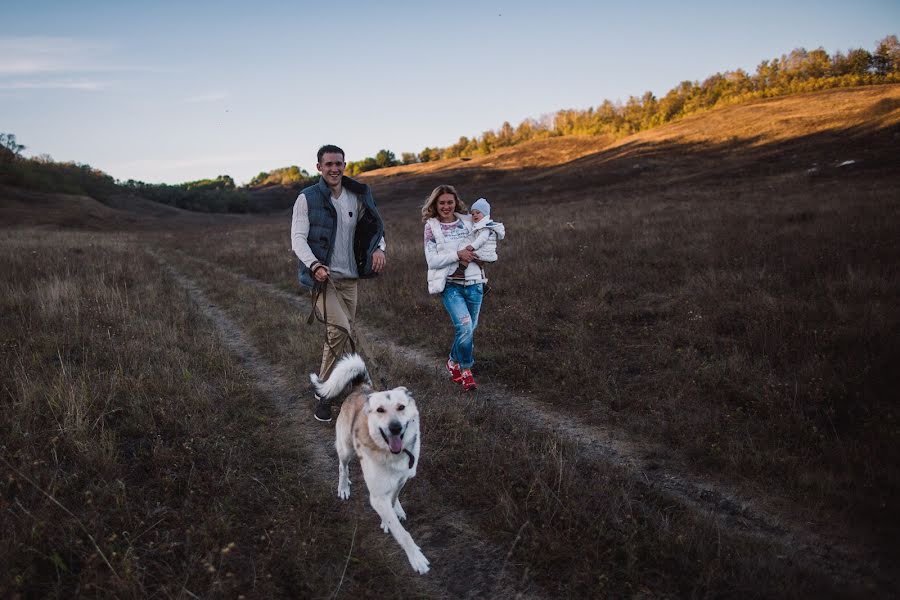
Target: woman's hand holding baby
[465, 255]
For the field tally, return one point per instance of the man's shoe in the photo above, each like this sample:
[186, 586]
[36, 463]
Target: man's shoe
[323, 409]
[455, 373]
[468, 381]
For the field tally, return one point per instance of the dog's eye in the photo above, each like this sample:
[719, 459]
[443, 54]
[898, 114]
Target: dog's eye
[401, 407]
[380, 409]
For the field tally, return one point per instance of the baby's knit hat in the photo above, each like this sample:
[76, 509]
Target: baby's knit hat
[483, 206]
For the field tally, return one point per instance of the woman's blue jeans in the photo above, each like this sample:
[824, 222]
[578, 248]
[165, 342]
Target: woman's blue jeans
[463, 303]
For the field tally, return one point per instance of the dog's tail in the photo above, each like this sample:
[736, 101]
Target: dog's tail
[350, 370]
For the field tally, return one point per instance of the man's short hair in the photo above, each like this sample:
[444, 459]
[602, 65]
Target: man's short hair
[329, 148]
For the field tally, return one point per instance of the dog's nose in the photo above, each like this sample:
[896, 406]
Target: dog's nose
[395, 428]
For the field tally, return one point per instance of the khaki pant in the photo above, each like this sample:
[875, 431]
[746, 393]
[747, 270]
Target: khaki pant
[338, 304]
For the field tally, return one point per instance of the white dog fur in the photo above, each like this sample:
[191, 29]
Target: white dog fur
[382, 429]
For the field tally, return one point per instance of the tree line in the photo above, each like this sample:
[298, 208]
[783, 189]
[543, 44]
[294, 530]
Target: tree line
[221, 194]
[796, 72]
[292, 176]
[43, 174]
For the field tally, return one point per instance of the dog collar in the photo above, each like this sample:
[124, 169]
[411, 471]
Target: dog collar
[412, 459]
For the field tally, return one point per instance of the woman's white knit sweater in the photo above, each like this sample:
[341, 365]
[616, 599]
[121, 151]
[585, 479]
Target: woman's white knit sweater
[441, 245]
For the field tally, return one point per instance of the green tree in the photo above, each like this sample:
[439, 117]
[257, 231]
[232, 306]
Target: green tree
[818, 64]
[409, 158]
[385, 158]
[859, 61]
[429, 154]
[259, 179]
[457, 149]
[12, 149]
[361, 166]
[855, 62]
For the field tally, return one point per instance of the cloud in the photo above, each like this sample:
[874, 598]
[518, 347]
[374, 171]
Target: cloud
[51, 84]
[34, 55]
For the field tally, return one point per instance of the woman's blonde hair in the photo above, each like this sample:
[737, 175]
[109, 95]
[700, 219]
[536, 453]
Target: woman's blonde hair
[429, 210]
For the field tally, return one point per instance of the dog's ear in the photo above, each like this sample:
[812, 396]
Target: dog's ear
[367, 405]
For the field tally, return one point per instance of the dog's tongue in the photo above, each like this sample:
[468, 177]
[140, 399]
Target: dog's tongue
[395, 442]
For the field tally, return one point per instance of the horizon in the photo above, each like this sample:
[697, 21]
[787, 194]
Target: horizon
[164, 94]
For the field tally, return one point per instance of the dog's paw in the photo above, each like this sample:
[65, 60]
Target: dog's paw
[398, 510]
[344, 491]
[418, 561]
[385, 528]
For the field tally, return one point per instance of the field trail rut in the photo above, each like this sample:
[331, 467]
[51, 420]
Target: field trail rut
[834, 553]
[463, 565]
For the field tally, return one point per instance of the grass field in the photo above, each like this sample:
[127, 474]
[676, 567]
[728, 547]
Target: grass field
[733, 310]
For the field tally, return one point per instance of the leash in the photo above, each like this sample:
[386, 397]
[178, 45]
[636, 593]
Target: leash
[319, 290]
[412, 459]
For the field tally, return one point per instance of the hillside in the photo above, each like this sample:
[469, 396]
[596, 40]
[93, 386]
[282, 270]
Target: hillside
[818, 135]
[686, 365]
[29, 208]
[805, 135]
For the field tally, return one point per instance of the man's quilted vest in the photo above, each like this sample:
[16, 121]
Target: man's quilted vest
[322, 223]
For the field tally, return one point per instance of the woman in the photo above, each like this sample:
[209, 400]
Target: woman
[455, 273]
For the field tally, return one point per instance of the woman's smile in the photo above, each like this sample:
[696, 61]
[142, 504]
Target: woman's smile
[446, 203]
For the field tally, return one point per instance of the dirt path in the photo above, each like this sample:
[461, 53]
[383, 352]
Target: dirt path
[831, 552]
[463, 565]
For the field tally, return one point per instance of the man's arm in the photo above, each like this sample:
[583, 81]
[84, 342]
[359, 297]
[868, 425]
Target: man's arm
[299, 243]
[379, 260]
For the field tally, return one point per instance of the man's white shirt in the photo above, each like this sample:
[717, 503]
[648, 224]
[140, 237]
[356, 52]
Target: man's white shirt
[348, 208]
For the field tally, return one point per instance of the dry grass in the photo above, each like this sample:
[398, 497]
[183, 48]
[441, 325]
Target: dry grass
[545, 500]
[735, 303]
[731, 300]
[753, 337]
[137, 458]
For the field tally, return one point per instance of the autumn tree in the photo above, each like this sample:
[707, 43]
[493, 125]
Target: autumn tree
[506, 135]
[887, 56]
[429, 154]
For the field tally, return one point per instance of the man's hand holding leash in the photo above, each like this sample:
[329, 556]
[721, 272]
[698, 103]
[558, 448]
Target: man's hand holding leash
[320, 273]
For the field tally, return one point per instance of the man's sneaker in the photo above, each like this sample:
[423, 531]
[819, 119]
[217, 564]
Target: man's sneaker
[323, 409]
[468, 381]
[455, 373]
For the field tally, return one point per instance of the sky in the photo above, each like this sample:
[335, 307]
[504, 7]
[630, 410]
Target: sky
[167, 92]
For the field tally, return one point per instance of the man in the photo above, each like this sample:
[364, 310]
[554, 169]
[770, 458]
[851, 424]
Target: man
[338, 235]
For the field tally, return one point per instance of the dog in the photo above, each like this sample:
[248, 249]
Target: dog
[382, 429]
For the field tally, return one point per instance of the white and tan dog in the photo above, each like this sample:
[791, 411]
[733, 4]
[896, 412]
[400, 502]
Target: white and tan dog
[382, 429]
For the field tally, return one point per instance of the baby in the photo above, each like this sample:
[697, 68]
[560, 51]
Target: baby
[483, 239]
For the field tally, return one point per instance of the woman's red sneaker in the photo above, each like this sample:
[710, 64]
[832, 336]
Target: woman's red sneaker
[468, 381]
[455, 373]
